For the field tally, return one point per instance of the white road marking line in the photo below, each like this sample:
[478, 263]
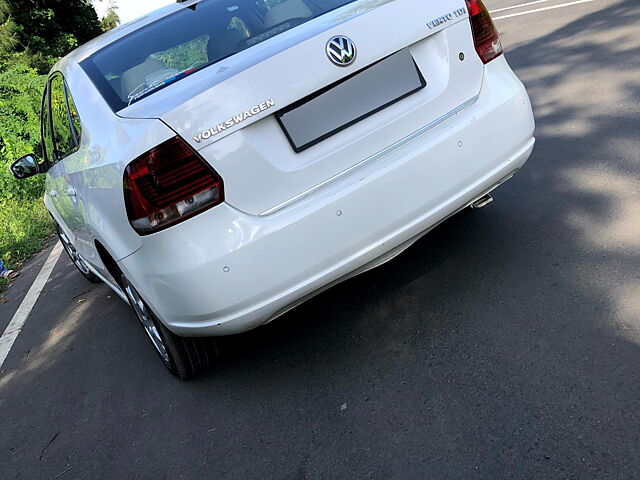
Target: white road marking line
[518, 6]
[543, 9]
[17, 322]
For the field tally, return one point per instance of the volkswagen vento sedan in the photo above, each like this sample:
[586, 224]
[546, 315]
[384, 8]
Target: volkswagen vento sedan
[218, 162]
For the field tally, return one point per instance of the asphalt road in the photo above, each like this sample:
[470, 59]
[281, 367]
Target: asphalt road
[505, 344]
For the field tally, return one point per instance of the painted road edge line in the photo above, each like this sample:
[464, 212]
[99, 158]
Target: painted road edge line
[17, 322]
[543, 9]
[518, 6]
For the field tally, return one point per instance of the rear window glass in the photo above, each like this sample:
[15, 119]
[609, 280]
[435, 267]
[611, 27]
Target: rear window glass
[193, 38]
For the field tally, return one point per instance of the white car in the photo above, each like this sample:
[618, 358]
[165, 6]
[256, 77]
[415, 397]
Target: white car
[218, 162]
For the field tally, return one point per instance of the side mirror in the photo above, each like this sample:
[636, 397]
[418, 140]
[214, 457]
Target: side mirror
[25, 167]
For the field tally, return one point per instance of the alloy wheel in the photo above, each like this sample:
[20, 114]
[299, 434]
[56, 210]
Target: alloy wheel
[146, 319]
[73, 254]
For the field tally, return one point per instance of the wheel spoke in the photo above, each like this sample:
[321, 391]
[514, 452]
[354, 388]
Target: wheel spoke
[73, 254]
[146, 319]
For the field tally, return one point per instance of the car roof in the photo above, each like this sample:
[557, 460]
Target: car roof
[85, 51]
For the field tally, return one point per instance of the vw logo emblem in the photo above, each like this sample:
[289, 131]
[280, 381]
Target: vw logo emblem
[341, 51]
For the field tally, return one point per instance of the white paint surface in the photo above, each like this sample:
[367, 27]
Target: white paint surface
[17, 322]
[518, 6]
[562, 5]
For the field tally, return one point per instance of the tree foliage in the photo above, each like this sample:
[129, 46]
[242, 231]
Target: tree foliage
[33, 35]
[111, 18]
[20, 97]
[48, 29]
[24, 222]
[8, 38]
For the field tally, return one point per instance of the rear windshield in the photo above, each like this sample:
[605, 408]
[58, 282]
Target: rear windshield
[191, 39]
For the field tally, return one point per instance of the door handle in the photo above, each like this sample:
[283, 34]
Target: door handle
[53, 193]
[71, 192]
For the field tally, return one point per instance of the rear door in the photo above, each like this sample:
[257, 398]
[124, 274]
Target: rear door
[62, 144]
[55, 183]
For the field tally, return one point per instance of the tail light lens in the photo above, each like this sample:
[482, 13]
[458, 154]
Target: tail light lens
[167, 185]
[485, 34]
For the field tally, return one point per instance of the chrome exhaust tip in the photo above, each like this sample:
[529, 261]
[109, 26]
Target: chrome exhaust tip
[482, 202]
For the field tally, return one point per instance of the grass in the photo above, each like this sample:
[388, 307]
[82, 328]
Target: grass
[24, 226]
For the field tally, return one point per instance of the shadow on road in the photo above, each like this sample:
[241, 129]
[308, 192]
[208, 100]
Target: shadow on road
[505, 343]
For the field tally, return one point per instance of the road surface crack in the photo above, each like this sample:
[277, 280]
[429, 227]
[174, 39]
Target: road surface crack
[48, 445]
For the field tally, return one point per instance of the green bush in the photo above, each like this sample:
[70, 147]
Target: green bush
[24, 221]
[24, 226]
[20, 98]
[33, 34]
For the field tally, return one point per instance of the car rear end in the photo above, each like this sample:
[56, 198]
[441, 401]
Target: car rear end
[285, 170]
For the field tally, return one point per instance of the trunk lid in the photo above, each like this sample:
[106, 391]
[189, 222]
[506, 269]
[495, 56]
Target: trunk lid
[226, 111]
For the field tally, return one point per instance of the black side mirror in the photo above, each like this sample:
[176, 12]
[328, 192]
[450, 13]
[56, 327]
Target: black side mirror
[25, 167]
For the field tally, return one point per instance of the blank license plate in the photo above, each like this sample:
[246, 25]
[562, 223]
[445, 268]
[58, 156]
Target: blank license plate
[325, 113]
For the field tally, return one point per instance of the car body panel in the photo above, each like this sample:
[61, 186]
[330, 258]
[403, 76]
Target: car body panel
[292, 224]
[227, 281]
[207, 97]
[108, 144]
[256, 153]
[262, 149]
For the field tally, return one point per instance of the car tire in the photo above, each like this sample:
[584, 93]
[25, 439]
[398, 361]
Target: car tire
[75, 257]
[184, 357]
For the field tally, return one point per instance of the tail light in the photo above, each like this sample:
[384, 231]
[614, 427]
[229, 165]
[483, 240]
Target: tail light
[485, 34]
[167, 185]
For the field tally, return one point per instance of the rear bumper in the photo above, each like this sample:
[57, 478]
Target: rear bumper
[225, 272]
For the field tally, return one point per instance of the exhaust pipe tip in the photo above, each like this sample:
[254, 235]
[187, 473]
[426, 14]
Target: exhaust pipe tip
[482, 202]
